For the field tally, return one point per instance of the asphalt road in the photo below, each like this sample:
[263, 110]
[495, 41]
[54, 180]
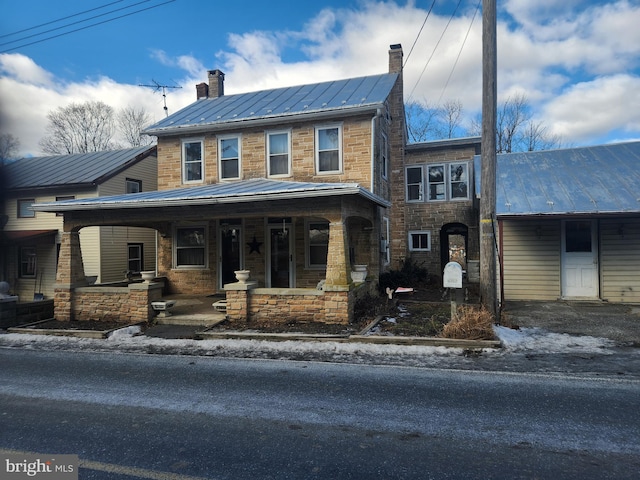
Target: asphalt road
[178, 417]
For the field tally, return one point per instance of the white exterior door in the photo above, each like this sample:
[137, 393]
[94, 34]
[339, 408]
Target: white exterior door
[579, 259]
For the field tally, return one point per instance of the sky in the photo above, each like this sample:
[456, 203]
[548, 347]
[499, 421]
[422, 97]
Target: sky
[577, 61]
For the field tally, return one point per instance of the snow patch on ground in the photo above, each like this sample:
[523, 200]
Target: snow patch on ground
[543, 341]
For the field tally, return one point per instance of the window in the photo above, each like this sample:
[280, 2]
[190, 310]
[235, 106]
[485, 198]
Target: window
[229, 149]
[329, 149]
[448, 181]
[414, 184]
[318, 244]
[24, 208]
[190, 245]
[192, 161]
[278, 154]
[384, 155]
[420, 241]
[384, 241]
[135, 257]
[28, 262]
[62, 199]
[133, 186]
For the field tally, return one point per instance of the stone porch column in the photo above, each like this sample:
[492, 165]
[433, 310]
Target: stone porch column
[70, 275]
[337, 258]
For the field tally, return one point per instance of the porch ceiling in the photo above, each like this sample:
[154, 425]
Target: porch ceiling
[244, 191]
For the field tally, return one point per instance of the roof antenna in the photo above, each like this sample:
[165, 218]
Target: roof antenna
[157, 87]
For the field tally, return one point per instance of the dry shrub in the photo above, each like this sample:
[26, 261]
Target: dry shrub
[470, 323]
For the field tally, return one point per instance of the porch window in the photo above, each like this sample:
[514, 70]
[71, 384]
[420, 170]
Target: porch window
[317, 244]
[279, 158]
[414, 184]
[24, 208]
[190, 247]
[135, 257]
[229, 155]
[420, 241]
[28, 262]
[192, 161]
[329, 149]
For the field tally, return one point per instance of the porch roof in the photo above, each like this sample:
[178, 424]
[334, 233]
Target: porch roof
[243, 191]
[30, 236]
[600, 179]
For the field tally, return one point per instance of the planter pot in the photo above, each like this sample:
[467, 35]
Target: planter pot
[359, 273]
[242, 275]
[148, 275]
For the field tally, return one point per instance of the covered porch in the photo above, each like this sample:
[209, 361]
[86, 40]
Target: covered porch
[299, 242]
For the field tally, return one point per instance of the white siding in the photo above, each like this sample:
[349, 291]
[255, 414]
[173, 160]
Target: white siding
[531, 259]
[620, 260]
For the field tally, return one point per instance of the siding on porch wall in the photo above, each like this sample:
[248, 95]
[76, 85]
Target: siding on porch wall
[620, 259]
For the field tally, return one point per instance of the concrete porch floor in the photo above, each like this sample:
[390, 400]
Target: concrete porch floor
[195, 310]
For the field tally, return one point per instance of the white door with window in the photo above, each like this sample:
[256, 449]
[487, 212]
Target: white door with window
[579, 259]
[280, 256]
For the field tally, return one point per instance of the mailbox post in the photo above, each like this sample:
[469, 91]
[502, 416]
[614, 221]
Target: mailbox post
[452, 279]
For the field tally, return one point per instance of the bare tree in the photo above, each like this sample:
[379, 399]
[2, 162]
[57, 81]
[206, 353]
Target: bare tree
[535, 136]
[9, 145]
[80, 128]
[512, 116]
[131, 121]
[421, 121]
[450, 118]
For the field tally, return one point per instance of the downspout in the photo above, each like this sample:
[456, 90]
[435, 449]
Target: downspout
[500, 263]
[373, 147]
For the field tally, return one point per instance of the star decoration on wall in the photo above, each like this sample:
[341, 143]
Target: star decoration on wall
[254, 245]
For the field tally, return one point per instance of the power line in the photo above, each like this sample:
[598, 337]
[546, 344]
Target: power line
[459, 52]
[419, 33]
[86, 27]
[72, 23]
[59, 19]
[434, 50]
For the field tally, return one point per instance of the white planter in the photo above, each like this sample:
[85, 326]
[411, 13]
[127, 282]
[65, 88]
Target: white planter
[148, 275]
[359, 273]
[242, 275]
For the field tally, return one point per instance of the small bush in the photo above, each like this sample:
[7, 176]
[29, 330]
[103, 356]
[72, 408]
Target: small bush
[410, 275]
[470, 323]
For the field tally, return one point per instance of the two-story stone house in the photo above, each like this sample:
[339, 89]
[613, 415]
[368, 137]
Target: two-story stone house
[293, 184]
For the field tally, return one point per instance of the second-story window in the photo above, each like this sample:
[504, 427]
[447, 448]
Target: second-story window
[278, 154]
[192, 161]
[24, 208]
[229, 155]
[133, 186]
[414, 184]
[329, 149]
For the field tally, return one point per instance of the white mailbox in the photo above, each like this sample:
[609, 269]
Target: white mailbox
[452, 277]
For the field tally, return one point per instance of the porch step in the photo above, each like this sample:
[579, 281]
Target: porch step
[195, 319]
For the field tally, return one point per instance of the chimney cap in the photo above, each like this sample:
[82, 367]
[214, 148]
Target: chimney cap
[396, 46]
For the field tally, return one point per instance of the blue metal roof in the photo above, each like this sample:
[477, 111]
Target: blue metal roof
[80, 169]
[332, 96]
[583, 180]
[229, 192]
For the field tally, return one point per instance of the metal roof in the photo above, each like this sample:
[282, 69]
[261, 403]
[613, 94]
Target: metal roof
[80, 169]
[231, 192]
[583, 180]
[353, 94]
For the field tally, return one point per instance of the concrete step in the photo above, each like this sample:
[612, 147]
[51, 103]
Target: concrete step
[195, 319]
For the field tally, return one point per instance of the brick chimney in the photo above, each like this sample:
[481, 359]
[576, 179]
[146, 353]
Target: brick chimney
[395, 58]
[202, 90]
[216, 83]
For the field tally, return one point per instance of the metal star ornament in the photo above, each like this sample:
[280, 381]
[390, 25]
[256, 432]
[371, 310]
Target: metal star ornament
[254, 245]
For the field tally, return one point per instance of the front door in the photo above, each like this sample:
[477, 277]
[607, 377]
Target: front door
[230, 242]
[579, 259]
[280, 258]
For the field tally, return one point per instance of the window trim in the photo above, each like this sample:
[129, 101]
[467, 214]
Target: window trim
[444, 182]
[421, 184]
[268, 135]
[220, 139]
[183, 159]
[132, 181]
[28, 213]
[205, 247]
[450, 182]
[317, 151]
[23, 262]
[307, 243]
[419, 232]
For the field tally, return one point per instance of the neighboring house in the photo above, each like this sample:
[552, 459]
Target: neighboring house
[31, 239]
[569, 223]
[292, 184]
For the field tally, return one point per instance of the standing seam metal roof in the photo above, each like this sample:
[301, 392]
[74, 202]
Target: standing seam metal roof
[583, 180]
[280, 102]
[67, 170]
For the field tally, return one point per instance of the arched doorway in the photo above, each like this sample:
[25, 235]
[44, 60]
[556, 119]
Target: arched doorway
[454, 239]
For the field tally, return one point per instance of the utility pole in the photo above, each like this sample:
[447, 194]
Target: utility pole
[157, 87]
[488, 289]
